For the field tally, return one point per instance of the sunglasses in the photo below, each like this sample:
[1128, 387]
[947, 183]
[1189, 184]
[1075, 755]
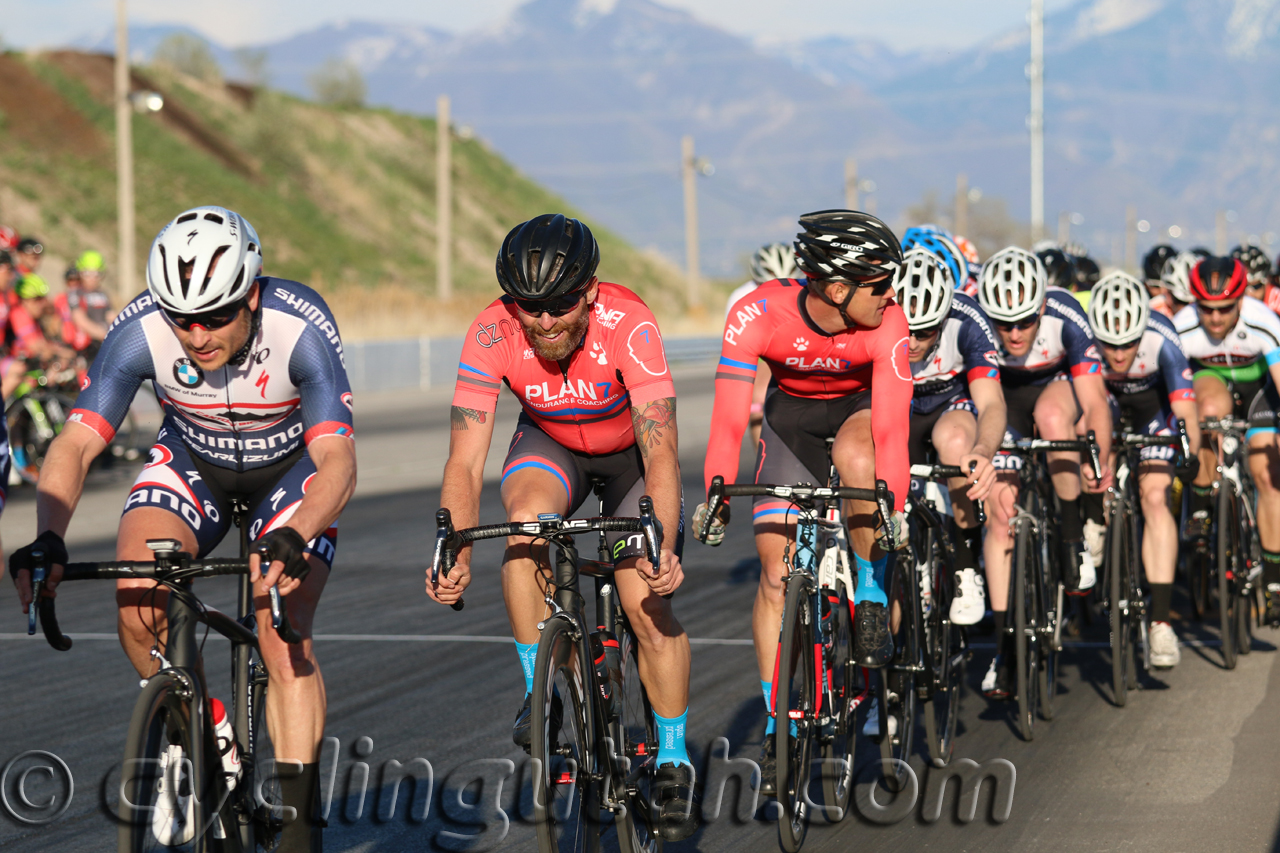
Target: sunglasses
[1215, 308]
[554, 307]
[925, 334]
[208, 320]
[1021, 325]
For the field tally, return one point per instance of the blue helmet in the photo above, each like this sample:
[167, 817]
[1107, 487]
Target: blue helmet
[935, 240]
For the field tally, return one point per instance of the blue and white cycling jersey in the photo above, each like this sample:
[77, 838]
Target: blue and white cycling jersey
[966, 349]
[1160, 362]
[1063, 342]
[291, 390]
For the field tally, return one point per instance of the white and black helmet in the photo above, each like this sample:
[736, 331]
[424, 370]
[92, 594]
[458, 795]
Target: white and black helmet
[1176, 275]
[1012, 286]
[774, 261]
[180, 268]
[1119, 309]
[923, 288]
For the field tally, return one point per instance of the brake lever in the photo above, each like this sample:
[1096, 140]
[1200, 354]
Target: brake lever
[652, 529]
[444, 554]
[38, 574]
[1184, 438]
[1095, 456]
[978, 508]
[884, 504]
[280, 618]
[715, 497]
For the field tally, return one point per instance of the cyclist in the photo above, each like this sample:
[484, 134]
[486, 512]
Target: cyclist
[12, 369]
[249, 372]
[1176, 276]
[586, 361]
[31, 320]
[836, 343]
[933, 239]
[958, 405]
[1084, 275]
[1233, 342]
[769, 263]
[1151, 387]
[1257, 270]
[1052, 376]
[85, 309]
[1152, 266]
[28, 254]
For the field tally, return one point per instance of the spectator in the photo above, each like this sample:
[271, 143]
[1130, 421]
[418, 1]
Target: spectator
[29, 254]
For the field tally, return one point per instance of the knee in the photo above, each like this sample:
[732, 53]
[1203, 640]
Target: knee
[652, 620]
[951, 444]
[1056, 422]
[141, 611]
[1155, 501]
[857, 466]
[286, 662]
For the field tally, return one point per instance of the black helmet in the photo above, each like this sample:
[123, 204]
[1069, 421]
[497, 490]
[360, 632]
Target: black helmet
[548, 257]
[1257, 265]
[1153, 262]
[1201, 252]
[1058, 267]
[1086, 272]
[846, 245]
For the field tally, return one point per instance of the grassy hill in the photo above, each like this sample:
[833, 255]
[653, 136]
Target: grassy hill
[344, 199]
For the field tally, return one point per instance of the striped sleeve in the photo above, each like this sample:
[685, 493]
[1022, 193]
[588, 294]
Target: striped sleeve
[480, 374]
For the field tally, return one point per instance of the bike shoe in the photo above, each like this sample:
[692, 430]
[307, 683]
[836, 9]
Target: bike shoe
[996, 683]
[768, 767]
[1272, 596]
[1164, 646]
[872, 642]
[676, 818]
[969, 603]
[522, 730]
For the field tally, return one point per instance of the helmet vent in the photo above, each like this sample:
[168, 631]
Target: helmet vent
[213, 263]
[186, 217]
[213, 217]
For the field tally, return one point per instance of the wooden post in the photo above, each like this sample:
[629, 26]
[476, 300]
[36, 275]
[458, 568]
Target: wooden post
[851, 184]
[690, 174]
[124, 161]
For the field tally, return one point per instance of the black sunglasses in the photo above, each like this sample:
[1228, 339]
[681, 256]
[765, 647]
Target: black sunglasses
[208, 320]
[925, 334]
[1021, 325]
[554, 307]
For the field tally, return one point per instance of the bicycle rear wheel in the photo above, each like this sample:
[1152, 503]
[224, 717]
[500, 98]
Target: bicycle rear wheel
[839, 734]
[898, 679]
[637, 740]
[796, 705]
[1199, 581]
[566, 799]
[1026, 561]
[1118, 554]
[166, 787]
[945, 656]
[1228, 521]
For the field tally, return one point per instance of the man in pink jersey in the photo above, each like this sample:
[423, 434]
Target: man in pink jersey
[837, 345]
[585, 360]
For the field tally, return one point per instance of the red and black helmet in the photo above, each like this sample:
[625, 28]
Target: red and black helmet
[1218, 279]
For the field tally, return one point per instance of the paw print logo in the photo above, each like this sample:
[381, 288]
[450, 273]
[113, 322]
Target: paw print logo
[801, 344]
[597, 352]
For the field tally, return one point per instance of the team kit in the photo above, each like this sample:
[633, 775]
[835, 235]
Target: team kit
[853, 361]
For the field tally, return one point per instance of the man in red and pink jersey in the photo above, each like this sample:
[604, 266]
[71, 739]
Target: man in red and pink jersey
[837, 345]
[585, 360]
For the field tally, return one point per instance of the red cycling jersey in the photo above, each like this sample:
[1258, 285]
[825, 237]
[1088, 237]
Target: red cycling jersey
[585, 405]
[771, 323]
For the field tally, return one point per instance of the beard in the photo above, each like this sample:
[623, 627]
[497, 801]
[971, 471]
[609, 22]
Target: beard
[556, 350]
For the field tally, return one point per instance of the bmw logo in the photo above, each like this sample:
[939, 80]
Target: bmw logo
[187, 374]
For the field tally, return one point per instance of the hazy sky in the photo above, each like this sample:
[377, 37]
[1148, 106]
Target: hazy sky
[901, 23]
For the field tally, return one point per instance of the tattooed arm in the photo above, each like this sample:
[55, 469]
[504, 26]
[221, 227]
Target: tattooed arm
[655, 427]
[469, 438]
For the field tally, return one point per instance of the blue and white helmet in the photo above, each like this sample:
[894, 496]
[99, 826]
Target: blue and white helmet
[934, 240]
[207, 257]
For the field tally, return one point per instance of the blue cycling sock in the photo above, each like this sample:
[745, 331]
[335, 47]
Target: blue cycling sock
[870, 580]
[770, 724]
[671, 739]
[528, 654]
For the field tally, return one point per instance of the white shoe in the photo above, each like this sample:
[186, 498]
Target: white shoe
[1095, 536]
[1164, 645]
[172, 822]
[1088, 574]
[970, 601]
[871, 728]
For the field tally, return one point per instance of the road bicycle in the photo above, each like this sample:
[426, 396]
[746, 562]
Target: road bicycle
[174, 793]
[1038, 592]
[1129, 619]
[594, 745]
[817, 690]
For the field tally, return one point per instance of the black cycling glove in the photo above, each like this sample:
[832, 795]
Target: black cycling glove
[55, 551]
[286, 545]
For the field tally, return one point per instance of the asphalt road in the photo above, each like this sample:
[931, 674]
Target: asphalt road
[1191, 764]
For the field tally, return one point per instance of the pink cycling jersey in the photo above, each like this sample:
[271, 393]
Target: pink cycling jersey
[771, 323]
[585, 402]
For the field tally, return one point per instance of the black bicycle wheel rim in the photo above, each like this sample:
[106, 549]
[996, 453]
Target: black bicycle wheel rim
[1228, 551]
[1117, 570]
[635, 731]
[1139, 619]
[796, 703]
[1024, 563]
[266, 823]
[946, 664]
[899, 697]
[161, 719]
[839, 738]
[1048, 609]
[566, 810]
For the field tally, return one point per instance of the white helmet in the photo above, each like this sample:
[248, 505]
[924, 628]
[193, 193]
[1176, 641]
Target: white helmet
[923, 288]
[1012, 286]
[1177, 275]
[190, 244]
[776, 260]
[1119, 309]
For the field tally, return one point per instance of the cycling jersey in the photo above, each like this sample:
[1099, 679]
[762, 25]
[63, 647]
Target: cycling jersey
[772, 323]
[739, 292]
[1161, 304]
[1246, 351]
[1064, 341]
[585, 405]
[1160, 362]
[966, 349]
[291, 390]
[72, 335]
[24, 331]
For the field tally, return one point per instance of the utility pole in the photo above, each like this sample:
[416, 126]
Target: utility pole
[444, 201]
[851, 184]
[124, 161]
[1064, 228]
[1220, 233]
[689, 170]
[1035, 121]
[962, 205]
[1131, 238]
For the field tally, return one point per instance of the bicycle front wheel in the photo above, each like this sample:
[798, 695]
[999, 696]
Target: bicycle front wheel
[1118, 554]
[898, 679]
[1229, 563]
[566, 798]
[166, 787]
[945, 657]
[839, 734]
[1026, 565]
[796, 705]
[638, 742]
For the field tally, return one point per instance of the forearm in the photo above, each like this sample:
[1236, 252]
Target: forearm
[662, 483]
[991, 427]
[460, 492]
[62, 481]
[1186, 410]
[1098, 419]
[327, 495]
